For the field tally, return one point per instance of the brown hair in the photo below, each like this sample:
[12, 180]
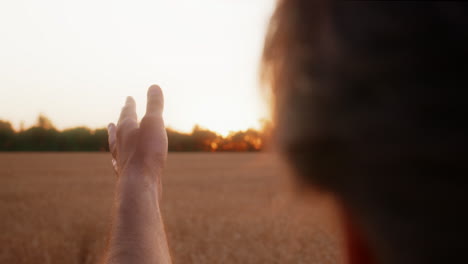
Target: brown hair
[367, 105]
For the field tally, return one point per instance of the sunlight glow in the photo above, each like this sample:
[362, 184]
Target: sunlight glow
[76, 61]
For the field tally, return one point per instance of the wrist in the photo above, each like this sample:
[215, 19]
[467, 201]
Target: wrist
[143, 166]
[141, 176]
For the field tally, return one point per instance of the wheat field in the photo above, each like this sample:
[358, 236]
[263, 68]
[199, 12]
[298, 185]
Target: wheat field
[218, 208]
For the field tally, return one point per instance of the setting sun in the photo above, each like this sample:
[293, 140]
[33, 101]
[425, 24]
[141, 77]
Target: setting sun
[76, 61]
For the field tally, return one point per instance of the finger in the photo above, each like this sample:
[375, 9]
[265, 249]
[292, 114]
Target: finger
[152, 132]
[128, 111]
[111, 130]
[155, 101]
[128, 119]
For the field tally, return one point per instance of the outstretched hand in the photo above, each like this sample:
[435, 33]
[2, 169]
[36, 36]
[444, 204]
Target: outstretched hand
[139, 152]
[141, 147]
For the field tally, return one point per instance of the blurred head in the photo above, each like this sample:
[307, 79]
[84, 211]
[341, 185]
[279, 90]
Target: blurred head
[368, 105]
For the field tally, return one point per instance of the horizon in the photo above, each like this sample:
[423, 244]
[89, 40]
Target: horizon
[44, 136]
[49, 124]
[76, 62]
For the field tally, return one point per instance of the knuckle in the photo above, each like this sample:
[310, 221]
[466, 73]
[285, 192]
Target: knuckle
[127, 109]
[125, 122]
[121, 129]
[151, 119]
[124, 109]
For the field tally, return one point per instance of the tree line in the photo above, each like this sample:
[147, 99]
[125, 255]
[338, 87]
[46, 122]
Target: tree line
[43, 136]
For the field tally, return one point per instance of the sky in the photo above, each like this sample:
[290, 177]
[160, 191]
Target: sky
[76, 61]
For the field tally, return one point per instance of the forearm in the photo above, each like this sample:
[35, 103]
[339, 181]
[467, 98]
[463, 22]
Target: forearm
[139, 152]
[137, 234]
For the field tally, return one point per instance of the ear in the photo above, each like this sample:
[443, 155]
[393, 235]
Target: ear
[357, 247]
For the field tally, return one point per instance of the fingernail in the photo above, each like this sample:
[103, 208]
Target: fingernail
[154, 90]
[109, 126]
[129, 99]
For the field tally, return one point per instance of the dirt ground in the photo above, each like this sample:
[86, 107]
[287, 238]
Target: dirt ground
[218, 208]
